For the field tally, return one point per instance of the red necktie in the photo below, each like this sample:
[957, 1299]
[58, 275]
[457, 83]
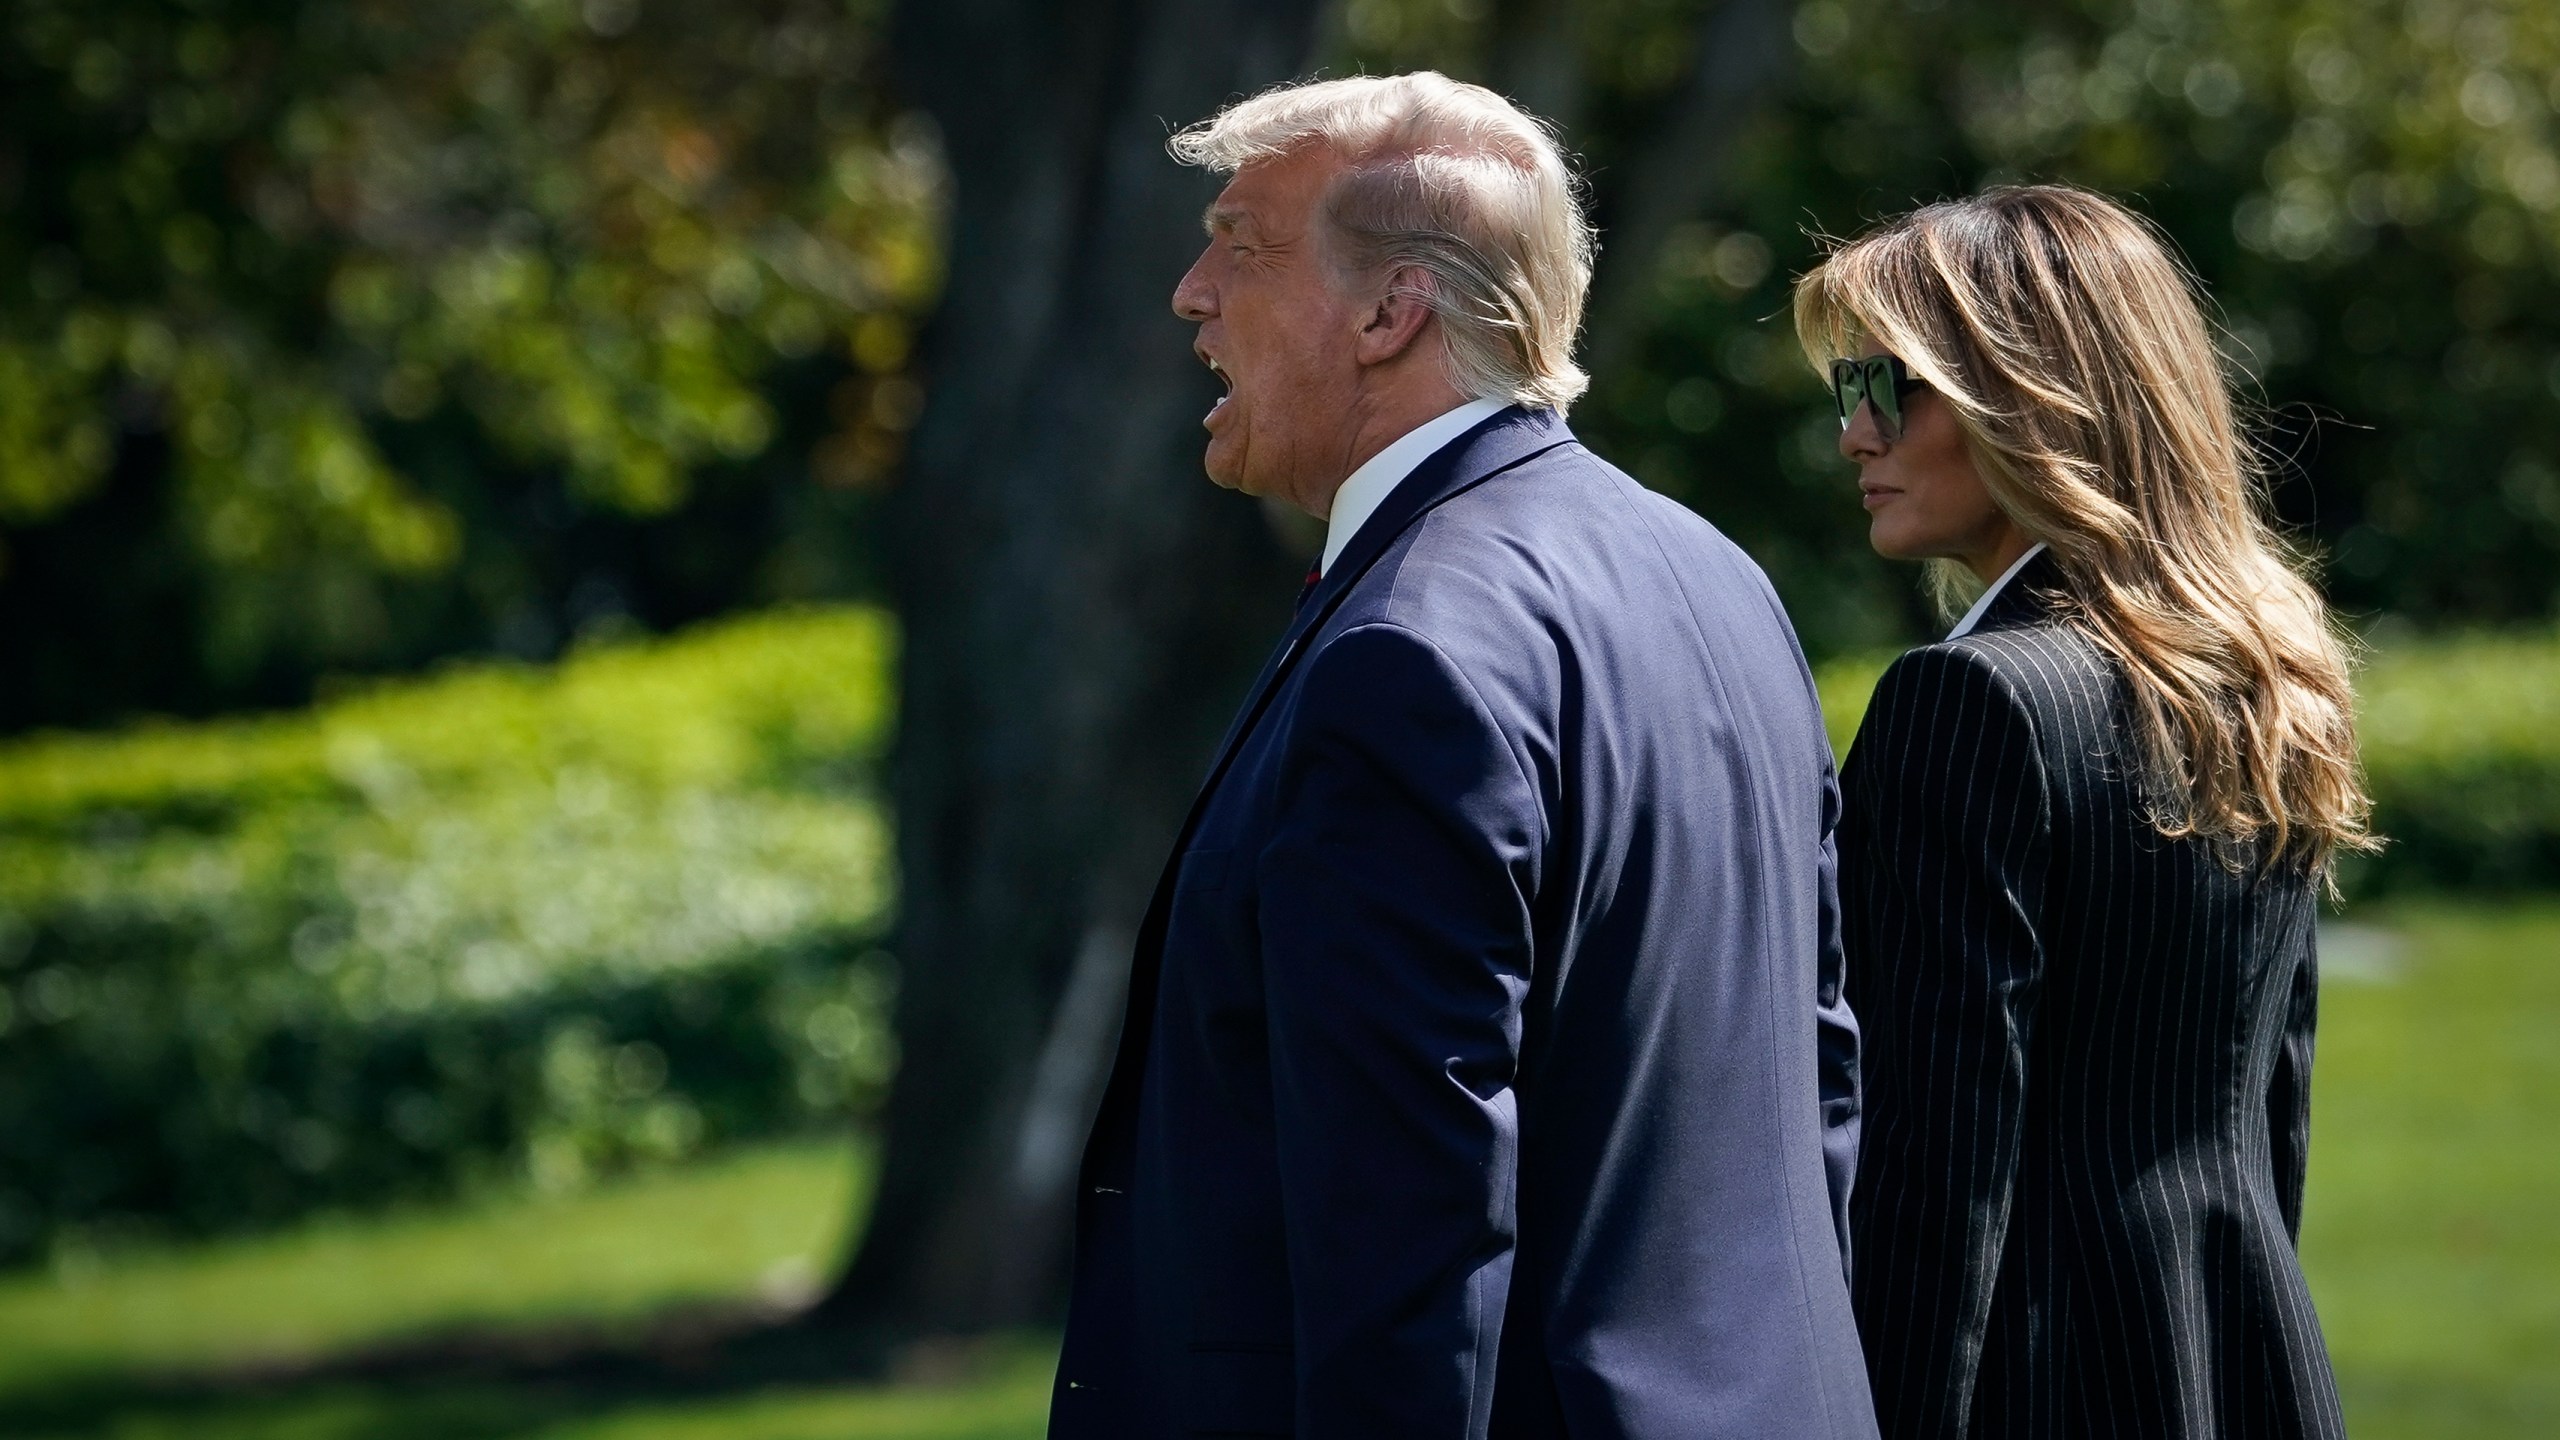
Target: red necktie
[1314, 574]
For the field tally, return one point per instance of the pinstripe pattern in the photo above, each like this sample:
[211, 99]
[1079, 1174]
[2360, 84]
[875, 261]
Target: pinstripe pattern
[2087, 1065]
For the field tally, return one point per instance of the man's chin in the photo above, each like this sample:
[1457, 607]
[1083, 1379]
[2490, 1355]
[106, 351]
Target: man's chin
[1222, 467]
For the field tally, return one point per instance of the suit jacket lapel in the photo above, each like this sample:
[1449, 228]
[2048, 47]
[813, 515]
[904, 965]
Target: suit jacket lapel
[1502, 441]
[2027, 599]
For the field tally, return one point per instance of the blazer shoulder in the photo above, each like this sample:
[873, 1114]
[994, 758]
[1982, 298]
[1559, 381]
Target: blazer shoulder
[1540, 522]
[2045, 683]
[1561, 476]
[1496, 542]
[1946, 720]
[1931, 689]
[2047, 668]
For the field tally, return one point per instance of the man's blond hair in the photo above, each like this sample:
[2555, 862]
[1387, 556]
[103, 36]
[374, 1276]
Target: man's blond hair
[1458, 197]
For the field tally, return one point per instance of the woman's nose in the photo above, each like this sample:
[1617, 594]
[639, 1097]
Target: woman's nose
[1863, 438]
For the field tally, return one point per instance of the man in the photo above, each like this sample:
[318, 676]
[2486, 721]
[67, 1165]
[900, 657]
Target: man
[1474, 1076]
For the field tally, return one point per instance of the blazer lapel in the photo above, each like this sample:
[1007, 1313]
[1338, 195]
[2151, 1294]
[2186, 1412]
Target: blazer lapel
[1502, 441]
[2027, 599]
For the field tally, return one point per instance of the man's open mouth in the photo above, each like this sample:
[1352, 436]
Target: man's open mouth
[1226, 383]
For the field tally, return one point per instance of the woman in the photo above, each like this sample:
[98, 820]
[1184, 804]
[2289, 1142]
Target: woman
[2081, 845]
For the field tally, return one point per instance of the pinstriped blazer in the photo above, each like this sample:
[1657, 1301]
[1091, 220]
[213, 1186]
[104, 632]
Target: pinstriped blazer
[2086, 1067]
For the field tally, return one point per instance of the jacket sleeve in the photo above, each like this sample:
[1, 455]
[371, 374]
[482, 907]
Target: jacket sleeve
[1395, 913]
[1946, 839]
[2289, 1095]
[1836, 1029]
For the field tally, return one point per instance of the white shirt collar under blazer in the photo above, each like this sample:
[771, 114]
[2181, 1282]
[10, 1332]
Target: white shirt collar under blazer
[1982, 606]
[1360, 496]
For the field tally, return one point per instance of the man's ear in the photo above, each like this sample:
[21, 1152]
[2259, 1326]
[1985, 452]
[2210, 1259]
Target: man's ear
[1390, 326]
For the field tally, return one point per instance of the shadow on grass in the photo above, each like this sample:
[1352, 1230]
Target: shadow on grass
[495, 1385]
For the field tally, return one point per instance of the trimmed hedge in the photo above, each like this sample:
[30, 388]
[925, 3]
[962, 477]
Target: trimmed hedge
[2462, 748]
[501, 922]
[2461, 740]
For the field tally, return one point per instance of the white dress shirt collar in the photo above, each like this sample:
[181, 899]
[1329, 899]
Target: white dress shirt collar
[1982, 606]
[1360, 496]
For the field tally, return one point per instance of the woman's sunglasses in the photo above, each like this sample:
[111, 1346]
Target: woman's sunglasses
[1877, 380]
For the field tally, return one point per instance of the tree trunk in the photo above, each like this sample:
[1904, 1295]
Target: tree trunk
[1082, 610]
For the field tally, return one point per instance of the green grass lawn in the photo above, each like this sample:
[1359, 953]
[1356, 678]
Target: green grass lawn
[2432, 1232]
[770, 1218]
[120, 1349]
[2431, 1242]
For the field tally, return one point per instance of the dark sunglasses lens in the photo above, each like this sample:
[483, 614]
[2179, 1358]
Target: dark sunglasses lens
[1885, 395]
[1848, 387]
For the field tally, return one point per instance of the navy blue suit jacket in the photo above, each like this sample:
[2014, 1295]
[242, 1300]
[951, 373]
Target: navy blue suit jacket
[1485, 1070]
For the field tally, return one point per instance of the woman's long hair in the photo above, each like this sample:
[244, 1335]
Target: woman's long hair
[2073, 350]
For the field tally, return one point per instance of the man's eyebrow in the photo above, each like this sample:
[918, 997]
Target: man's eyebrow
[1220, 217]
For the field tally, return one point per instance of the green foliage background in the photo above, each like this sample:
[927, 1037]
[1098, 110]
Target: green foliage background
[498, 924]
[334, 339]
[2369, 189]
[339, 337]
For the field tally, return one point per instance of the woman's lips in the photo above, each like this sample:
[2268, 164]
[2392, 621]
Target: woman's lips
[1872, 497]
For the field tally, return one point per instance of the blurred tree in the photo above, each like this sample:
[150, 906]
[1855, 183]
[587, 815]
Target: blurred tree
[340, 337]
[1082, 610]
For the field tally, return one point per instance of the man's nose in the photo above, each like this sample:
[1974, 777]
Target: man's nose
[1862, 439]
[1195, 299]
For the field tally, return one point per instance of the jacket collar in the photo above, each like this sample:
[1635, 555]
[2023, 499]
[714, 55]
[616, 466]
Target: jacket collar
[1500, 442]
[1496, 444]
[2027, 599]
